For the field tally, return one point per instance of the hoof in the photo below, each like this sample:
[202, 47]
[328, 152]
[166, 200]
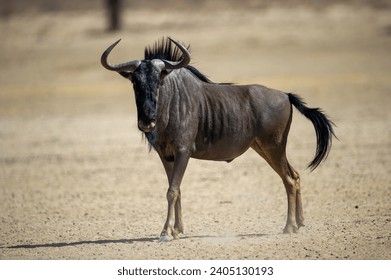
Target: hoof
[290, 229]
[165, 238]
[176, 234]
[300, 221]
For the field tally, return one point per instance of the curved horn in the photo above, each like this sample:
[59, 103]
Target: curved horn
[127, 66]
[178, 64]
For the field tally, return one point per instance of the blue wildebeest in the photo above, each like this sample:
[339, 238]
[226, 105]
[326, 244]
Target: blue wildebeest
[185, 115]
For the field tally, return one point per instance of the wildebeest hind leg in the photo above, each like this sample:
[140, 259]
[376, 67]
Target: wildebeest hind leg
[299, 205]
[275, 156]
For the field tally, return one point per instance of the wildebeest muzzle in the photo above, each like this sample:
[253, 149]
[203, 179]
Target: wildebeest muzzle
[149, 127]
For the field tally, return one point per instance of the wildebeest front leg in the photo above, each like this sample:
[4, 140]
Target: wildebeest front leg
[173, 197]
[178, 225]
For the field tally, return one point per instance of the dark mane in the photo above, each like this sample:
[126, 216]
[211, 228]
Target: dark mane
[164, 49]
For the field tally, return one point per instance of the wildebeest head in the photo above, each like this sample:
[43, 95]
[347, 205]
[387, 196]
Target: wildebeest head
[146, 76]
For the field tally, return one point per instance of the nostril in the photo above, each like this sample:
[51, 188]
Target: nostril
[146, 127]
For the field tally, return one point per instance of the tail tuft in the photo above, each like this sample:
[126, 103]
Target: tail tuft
[323, 129]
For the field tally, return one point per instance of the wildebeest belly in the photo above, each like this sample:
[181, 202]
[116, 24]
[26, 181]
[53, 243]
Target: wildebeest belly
[225, 147]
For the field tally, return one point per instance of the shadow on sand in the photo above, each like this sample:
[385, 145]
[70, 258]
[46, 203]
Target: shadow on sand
[122, 241]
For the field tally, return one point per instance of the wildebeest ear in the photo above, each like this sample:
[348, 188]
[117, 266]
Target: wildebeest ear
[164, 74]
[125, 74]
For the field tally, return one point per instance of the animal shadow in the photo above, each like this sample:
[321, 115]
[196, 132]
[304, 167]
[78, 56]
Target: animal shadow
[124, 241]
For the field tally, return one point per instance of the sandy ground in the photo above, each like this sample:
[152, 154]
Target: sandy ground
[76, 178]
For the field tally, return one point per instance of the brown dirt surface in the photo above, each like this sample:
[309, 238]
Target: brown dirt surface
[76, 178]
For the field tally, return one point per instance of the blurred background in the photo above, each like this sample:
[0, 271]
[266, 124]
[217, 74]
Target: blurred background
[61, 41]
[70, 150]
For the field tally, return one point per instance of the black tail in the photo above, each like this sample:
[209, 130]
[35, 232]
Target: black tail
[323, 128]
